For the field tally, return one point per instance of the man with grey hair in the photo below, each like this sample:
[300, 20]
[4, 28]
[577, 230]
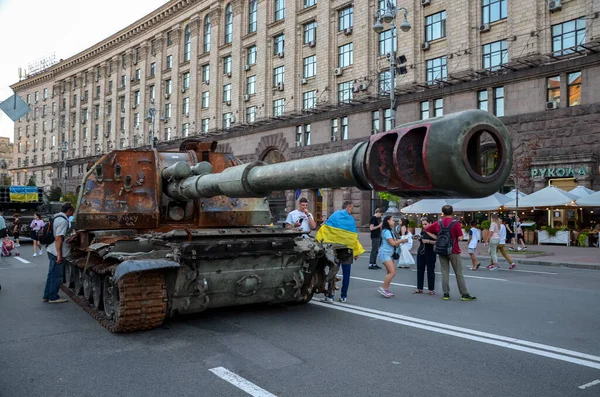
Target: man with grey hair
[57, 252]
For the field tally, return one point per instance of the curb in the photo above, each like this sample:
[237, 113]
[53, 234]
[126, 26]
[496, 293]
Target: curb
[589, 266]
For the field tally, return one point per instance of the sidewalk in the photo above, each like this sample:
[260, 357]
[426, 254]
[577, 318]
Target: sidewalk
[550, 255]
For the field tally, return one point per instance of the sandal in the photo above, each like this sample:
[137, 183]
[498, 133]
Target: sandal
[477, 268]
[431, 292]
[418, 291]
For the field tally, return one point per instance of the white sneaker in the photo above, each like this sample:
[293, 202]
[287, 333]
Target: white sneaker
[34, 254]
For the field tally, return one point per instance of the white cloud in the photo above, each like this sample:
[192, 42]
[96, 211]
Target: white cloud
[35, 28]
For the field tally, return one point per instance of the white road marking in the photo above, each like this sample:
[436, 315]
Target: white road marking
[21, 259]
[528, 271]
[479, 277]
[240, 382]
[592, 383]
[381, 281]
[556, 353]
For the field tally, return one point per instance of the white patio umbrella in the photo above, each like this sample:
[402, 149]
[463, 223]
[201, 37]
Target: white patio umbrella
[592, 200]
[428, 206]
[550, 196]
[513, 194]
[581, 191]
[489, 203]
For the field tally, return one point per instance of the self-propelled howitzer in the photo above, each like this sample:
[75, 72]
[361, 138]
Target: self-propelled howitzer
[162, 233]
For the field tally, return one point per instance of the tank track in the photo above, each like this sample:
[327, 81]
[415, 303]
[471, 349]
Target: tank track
[142, 302]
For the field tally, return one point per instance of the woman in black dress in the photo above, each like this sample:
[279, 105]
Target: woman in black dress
[426, 259]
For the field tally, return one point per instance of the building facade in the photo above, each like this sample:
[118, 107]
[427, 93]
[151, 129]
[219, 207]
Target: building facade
[284, 79]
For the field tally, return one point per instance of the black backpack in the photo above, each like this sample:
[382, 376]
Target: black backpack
[46, 233]
[443, 244]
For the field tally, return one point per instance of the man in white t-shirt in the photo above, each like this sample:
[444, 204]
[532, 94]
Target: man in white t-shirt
[57, 252]
[301, 218]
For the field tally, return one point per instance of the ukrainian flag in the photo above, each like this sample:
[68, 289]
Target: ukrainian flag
[340, 228]
[23, 194]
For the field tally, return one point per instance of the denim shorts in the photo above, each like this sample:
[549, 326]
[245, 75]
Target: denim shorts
[385, 256]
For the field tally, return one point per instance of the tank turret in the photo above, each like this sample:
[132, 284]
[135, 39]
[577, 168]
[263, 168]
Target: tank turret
[182, 231]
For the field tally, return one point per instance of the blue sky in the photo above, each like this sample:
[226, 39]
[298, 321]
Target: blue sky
[32, 29]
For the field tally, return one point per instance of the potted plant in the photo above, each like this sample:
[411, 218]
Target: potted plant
[529, 233]
[554, 235]
[485, 229]
[582, 238]
[412, 224]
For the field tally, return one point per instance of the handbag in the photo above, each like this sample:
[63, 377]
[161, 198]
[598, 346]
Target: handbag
[395, 255]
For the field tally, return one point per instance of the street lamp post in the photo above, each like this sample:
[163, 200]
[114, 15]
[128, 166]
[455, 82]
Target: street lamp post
[151, 117]
[65, 151]
[388, 15]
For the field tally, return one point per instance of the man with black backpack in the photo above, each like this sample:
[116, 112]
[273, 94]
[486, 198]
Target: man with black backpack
[57, 250]
[449, 233]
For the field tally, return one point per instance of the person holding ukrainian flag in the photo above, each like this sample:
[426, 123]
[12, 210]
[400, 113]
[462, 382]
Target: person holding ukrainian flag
[340, 228]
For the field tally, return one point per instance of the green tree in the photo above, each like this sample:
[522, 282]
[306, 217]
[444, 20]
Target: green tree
[54, 194]
[31, 181]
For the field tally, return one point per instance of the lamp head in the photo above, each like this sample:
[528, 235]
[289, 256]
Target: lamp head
[405, 25]
[388, 16]
[378, 26]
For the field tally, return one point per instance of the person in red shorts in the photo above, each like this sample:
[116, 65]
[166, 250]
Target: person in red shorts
[454, 258]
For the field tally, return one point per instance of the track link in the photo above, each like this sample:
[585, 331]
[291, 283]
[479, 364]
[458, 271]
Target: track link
[142, 304]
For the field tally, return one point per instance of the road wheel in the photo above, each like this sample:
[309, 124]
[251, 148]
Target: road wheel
[112, 303]
[97, 290]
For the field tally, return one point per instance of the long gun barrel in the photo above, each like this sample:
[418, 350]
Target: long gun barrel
[440, 157]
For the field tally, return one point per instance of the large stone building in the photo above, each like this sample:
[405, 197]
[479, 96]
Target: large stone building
[284, 79]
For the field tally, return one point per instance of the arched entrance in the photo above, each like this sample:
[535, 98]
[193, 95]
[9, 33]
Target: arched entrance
[277, 199]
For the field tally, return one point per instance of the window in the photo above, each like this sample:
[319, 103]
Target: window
[482, 100]
[169, 61]
[123, 81]
[138, 74]
[153, 47]
[110, 85]
[168, 134]
[168, 87]
[109, 126]
[251, 114]
[96, 111]
[495, 54]
[186, 80]
[278, 107]
[435, 26]
[227, 65]
[207, 28]
[185, 129]
[436, 69]
[251, 85]
[169, 38]
[186, 107]
[251, 55]
[438, 107]
[44, 110]
[122, 143]
[124, 61]
[206, 73]
[228, 24]
[252, 13]
[567, 35]
[310, 32]
[334, 129]
[574, 88]
[424, 110]
[227, 120]
[136, 98]
[387, 43]
[29, 99]
[136, 121]
[303, 134]
[278, 44]
[45, 93]
[553, 88]
[205, 124]
[227, 93]
[493, 10]
[205, 99]
[279, 9]
[97, 92]
[97, 130]
[344, 125]
[187, 43]
[121, 124]
[309, 99]
[85, 95]
[499, 101]
[167, 110]
[153, 69]
[345, 18]
[345, 55]
[345, 91]
[278, 75]
[310, 66]
[309, 3]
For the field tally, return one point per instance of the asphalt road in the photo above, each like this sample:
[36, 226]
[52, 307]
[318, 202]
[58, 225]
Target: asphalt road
[532, 332]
